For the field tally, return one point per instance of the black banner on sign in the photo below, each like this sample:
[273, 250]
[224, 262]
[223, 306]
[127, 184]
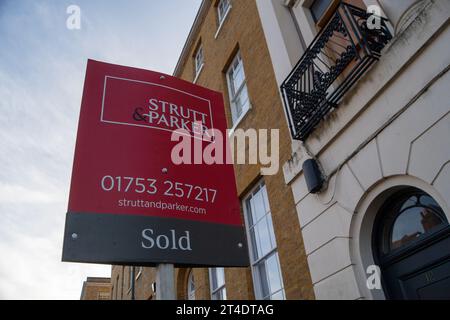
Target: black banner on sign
[147, 241]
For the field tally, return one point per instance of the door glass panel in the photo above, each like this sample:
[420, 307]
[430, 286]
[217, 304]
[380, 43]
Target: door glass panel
[412, 224]
[407, 217]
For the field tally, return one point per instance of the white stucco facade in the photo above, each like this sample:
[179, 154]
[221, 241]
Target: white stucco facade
[391, 130]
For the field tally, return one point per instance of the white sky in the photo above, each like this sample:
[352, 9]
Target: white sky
[42, 66]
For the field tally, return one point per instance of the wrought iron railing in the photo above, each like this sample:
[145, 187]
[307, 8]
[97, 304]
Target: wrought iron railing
[338, 56]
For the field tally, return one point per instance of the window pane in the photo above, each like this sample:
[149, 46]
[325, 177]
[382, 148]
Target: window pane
[220, 277]
[428, 201]
[220, 295]
[278, 296]
[250, 218]
[408, 215]
[237, 109]
[231, 83]
[236, 62]
[274, 273]
[252, 211]
[214, 278]
[258, 206]
[264, 237]
[198, 59]
[265, 265]
[222, 8]
[237, 87]
[266, 198]
[238, 78]
[271, 232]
[217, 278]
[412, 201]
[256, 243]
[413, 223]
[236, 75]
[224, 293]
[318, 8]
[263, 280]
[241, 101]
[191, 286]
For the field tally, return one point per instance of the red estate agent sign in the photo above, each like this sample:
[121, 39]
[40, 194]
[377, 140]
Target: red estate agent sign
[129, 204]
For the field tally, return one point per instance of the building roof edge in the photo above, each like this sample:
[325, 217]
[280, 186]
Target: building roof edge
[191, 36]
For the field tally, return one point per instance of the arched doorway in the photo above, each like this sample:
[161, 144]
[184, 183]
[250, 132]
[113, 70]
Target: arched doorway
[411, 244]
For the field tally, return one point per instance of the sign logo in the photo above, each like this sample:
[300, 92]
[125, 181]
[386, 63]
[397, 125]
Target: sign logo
[149, 106]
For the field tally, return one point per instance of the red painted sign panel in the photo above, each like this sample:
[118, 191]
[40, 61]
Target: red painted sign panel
[123, 168]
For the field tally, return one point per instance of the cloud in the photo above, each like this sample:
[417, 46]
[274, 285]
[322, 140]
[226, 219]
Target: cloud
[21, 194]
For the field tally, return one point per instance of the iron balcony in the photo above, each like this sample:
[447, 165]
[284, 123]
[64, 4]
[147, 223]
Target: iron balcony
[337, 57]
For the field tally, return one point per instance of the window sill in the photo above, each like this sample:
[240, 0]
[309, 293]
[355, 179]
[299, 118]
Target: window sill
[239, 120]
[221, 23]
[198, 73]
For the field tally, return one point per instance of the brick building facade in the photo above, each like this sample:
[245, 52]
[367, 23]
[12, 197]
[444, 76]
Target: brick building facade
[223, 36]
[95, 288]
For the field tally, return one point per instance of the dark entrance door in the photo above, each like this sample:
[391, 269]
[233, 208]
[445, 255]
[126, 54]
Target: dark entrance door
[412, 243]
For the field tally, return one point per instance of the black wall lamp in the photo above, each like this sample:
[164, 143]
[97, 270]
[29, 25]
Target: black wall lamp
[313, 176]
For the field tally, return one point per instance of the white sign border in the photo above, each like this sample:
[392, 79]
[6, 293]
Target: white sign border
[149, 83]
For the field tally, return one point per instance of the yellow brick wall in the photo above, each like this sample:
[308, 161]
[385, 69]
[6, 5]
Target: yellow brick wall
[96, 291]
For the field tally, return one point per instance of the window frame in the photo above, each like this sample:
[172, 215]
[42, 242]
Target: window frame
[198, 68]
[232, 98]
[130, 277]
[116, 288]
[190, 278]
[256, 262]
[326, 14]
[221, 17]
[385, 221]
[308, 27]
[213, 290]
[139, 273]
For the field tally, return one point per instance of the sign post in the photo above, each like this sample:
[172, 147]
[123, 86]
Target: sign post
[165, 282]
[130, 202]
